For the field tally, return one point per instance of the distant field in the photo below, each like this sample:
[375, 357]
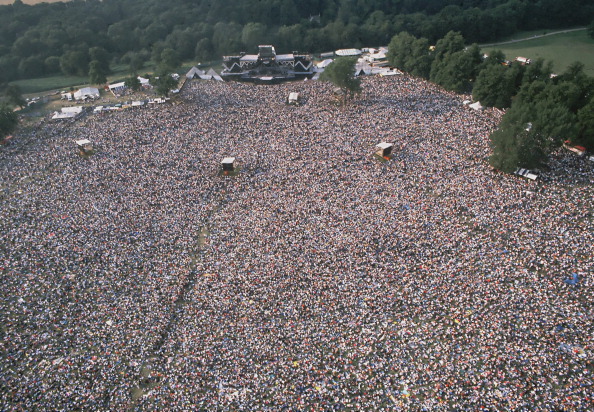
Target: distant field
[5, 2]
[562, 49]
[49, 83]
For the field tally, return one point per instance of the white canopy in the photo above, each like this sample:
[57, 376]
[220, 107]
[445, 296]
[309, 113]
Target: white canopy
[86, 91]
[384, 145]
[348, 52]
[74, 109]
[63, 116]
[324, 63]
[115, 86]
[476, 106]
[83, 142]
[194, 72]
[214, 75]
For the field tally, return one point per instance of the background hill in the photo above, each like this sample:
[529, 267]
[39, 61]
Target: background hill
[47, 39]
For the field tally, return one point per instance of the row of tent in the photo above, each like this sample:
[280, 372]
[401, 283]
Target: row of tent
[196, 73]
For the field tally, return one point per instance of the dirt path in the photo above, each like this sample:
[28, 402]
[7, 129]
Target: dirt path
[537, 36]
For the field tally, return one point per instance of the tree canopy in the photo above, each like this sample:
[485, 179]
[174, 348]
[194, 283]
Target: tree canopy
[164, 83]
[546, 112]
[46, 38]
[13, 96]
[341, 73]
[8, 121]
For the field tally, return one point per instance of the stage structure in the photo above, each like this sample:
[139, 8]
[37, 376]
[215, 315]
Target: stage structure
[267, 67]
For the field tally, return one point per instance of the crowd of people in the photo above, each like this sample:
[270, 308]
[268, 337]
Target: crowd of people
[320, 276]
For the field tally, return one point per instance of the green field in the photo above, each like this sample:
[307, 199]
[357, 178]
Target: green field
[562, 49]
[29, 86]
[61, 82]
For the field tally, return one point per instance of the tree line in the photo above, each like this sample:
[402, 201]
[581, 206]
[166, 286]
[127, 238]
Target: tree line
[543, 110]
[86, 37]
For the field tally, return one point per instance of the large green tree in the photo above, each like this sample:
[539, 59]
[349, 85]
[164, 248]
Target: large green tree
[74, 63]
[164, 83]
[13, 96]
[537, 123]
[455, 66]
[8, 121]
[101, 57]
[169, 60]
[410, 54]
[133, 83]
[585, 135]
[495, 86]
[253, 34]
[341, 73]
[97, 75]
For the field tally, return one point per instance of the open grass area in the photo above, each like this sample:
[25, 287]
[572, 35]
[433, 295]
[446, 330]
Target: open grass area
[562, 49]
[520, 35]
[29, 86]
[43, 84]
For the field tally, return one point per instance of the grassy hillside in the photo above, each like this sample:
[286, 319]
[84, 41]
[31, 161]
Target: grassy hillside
[562, 49]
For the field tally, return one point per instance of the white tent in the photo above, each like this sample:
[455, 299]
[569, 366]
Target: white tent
[68, 113]
[74, 109]
[83, 142]
[144, 82]
[324, 63]
[63, 116]
[214, 75]
[194, 72]
[380, 55]
[117, 87]
[348, 52]
[476, 106]
[86, 92]
[385, 71]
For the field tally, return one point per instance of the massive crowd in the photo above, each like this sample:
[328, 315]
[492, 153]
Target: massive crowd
[320, 277]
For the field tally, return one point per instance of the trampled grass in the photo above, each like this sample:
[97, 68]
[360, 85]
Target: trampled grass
[562, 49]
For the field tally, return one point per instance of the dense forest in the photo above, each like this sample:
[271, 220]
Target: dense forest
[543, 109]
[78, 36]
